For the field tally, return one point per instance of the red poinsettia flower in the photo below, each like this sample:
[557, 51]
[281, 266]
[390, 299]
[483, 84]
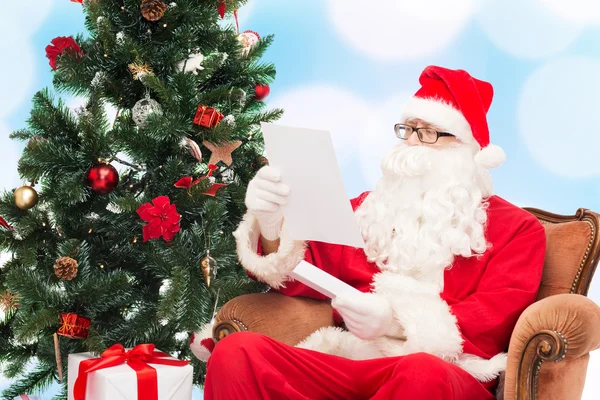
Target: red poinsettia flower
[77, 1]
[59, 46]
[162, 217]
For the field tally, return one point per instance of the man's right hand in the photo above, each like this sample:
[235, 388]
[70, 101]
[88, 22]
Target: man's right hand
[265, 197]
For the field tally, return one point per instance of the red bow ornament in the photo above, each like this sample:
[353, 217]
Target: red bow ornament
[5, 224]
[61, 45]
[187, 182]
[137, 359]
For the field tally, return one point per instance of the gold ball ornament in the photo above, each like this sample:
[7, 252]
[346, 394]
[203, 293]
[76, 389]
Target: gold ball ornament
[209, 269]
[26, 197]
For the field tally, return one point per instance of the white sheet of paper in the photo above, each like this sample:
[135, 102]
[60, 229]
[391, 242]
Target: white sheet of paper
[321, 281]
[318, 207]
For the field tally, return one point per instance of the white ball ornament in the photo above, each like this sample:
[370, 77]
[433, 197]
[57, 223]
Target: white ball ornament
[143, 109]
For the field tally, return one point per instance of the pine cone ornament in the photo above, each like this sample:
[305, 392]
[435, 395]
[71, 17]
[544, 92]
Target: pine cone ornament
[66, 268]
[153, 10]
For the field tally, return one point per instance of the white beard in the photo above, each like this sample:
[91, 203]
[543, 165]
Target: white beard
[428, 207]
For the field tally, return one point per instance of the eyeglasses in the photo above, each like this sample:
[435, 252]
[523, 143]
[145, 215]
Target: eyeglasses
[426, 135]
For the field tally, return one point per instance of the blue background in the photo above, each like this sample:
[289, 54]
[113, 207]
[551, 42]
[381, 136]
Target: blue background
[348, 66]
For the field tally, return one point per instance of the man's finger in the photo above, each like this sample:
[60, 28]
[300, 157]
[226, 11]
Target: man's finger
[270, 173]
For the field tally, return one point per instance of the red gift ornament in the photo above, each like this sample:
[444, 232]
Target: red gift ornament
[162, 217]
[60, 45]
[74, 326]
[207, 117]
[137, 358]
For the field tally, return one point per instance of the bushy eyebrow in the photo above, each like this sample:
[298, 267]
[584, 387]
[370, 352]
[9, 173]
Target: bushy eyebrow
[425, 124]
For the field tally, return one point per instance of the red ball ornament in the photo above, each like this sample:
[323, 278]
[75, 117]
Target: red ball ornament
[261, 92]
[102, 178]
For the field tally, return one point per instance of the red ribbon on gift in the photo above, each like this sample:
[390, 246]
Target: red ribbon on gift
[137, 358]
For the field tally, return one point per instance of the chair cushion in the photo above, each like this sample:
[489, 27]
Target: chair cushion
[566, 248]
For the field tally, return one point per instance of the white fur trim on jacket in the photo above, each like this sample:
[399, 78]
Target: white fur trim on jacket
[428, 325]
[440, 114]
[273, 268]
[338, 342]
[482, 369]
[423, 322]
[196, 345]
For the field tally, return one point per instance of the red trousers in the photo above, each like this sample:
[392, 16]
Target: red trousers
[251, 366]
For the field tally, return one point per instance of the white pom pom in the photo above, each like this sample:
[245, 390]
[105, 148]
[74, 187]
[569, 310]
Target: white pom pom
[491, 156]
[199, 350]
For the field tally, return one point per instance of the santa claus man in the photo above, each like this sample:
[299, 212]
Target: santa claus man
[446, 271]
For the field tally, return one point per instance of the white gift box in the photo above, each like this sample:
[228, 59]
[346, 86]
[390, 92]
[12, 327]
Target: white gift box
[120, 382]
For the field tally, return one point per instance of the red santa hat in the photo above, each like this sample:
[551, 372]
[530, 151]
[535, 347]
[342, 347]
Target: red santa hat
[457, 103]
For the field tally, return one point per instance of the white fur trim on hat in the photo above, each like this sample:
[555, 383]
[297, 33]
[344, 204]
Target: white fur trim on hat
[491, 156]
[441, 114]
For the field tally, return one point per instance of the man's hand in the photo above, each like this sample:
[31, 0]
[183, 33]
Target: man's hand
[264, 198]
[367, 315]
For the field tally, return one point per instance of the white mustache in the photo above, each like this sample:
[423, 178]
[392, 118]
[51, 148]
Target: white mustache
[408, 161]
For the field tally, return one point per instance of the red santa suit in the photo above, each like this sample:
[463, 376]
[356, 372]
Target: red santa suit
[469, 323]
[448, 333]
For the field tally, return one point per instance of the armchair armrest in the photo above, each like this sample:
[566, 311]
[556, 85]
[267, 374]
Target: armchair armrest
[557, 328]
[284, 318]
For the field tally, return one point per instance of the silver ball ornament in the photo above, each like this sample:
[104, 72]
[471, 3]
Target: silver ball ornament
[143, 109]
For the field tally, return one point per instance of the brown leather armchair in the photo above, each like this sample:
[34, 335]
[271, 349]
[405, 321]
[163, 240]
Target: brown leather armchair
[550, 345]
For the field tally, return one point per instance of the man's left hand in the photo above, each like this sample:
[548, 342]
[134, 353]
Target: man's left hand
[367, 315]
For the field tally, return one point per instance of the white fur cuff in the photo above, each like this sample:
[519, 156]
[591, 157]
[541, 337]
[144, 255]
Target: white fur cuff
[273, 268]
[427, 322]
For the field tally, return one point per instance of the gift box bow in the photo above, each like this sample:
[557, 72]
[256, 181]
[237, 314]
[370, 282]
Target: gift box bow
[137, 358]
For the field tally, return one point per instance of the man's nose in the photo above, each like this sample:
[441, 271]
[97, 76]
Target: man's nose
[413, 139]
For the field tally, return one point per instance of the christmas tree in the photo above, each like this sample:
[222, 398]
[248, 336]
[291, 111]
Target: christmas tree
[123, 233]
